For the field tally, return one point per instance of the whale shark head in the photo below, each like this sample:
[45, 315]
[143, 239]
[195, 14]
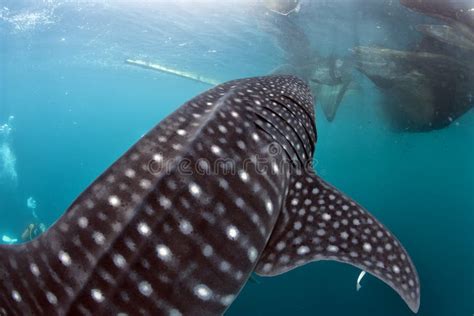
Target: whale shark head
[221, 188]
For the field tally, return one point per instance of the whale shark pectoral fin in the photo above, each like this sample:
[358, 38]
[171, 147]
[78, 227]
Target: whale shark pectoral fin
[321, 223]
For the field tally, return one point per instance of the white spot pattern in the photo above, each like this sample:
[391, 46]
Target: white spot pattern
[64, 258]
[97, 295]
[203, 292]
[232, 232]
[164, 253]
[114, 201]
[324, 224]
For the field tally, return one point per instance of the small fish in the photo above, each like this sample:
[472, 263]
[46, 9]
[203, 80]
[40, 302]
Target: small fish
[361, 275]
[220, 189]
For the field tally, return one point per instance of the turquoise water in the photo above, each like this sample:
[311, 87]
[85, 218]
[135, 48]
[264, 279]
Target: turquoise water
[77, 107]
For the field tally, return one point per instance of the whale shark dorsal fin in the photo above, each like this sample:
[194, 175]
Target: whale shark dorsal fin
[319, 222]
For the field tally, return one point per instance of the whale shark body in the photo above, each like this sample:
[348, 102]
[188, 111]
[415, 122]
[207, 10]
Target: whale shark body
[220, 189]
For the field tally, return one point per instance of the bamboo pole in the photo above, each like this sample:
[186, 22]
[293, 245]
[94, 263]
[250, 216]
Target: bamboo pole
[167, 70]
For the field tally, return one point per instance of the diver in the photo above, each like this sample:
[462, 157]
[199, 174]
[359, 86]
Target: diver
[32, 231]
[9, 240]
[35, 228]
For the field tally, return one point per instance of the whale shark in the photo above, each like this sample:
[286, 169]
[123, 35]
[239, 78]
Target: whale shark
[220, 189]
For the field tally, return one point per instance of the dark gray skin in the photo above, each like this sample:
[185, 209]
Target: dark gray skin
[430, 87]
[423, 91]
[459, 16]
[448, 10]
[458, 35]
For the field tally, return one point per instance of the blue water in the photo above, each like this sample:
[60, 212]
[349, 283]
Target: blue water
[77, 107]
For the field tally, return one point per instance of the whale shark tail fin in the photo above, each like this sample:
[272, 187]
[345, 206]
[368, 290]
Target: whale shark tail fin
[321, 223]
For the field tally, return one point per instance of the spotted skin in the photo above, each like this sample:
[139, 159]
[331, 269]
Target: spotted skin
[322, 223]
[177, 225]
